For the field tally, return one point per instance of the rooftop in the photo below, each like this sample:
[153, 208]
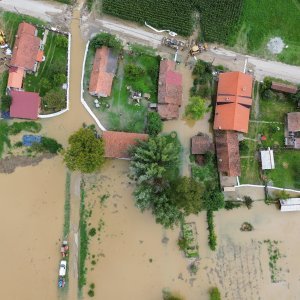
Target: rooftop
[26, 48]
[15, 77]
[201, 144]
[283, 87]
[293, 121]
[117, 144]
[228, 155]
[233, 102]
[267, 159]
[25, 105]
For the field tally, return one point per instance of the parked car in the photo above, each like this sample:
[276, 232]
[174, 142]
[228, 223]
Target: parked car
[63, 268]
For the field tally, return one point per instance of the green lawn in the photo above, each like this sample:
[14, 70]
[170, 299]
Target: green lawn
[122, 114]
[271, 110]
[11, 23]
[286, 173]
[264, 19]
[55, 55]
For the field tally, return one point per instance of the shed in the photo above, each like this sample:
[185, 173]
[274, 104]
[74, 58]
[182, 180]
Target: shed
[290, 204]
[267, 159]
[201, 144]
[285, 88]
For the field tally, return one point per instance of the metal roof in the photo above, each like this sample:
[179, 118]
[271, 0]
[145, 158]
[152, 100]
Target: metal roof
[267, 159]
[290, 204]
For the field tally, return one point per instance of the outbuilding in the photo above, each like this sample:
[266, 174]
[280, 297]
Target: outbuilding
[267, 159]
[290, 204]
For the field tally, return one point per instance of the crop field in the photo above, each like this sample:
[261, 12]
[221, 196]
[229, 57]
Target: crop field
[162, 14]
[263, 19]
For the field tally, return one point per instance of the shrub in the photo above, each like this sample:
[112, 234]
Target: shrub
[196, 108]
[92, 231]
[29, 126]
[61, 41]
[18, 144]
[51, 145]
[214, 294]
[106, 39]
[248, 202]
[92, 286]
[154, 123]
[55, 99]
[212, 238]
[231, 205]
[5, 102]
[133, 72]
[91, 293]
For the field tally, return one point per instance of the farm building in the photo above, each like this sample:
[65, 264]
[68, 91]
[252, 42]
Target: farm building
[285, 88]
[26, 52]
[228, 155]
[290, 204]
[117, 144]
[233, 102]
[169, 90]
[104, 68]
[292, 130]
[267, 159]
[25, 105]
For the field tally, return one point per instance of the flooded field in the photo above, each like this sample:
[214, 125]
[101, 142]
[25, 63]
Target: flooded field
[131, 257]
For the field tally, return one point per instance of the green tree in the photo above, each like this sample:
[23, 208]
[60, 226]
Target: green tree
[55, 99]
[196, 108]
[6, 102]
[85, 152]
[213, 199]
[154, 123]
[51, 145]
[187, 194]
[61, 41]
[106, 39]
[248, 201]
[154, 160]
[214, 294]
[45, 86]
[199, 68]
[133, 72]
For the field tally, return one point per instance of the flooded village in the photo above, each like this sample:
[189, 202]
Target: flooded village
[73, 234]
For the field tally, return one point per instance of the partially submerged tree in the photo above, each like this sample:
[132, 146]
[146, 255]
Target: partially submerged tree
[187, 194]
[85, 152]
[196, 108]
[248, 201]
[214, 294]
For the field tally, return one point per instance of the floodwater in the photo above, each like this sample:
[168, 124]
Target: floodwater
[32, 204]
[134, 258]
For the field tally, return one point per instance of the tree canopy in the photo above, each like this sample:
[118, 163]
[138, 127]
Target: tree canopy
[85, 152]
[187, 194]
[196, 108]
[154, 123]
[213, 199]
[133, 72]
[106, 39]
[55, 99]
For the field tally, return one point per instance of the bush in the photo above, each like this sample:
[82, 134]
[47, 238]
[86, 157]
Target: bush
[55, 100]
[92, 231]
[154, 123]
[229, 205]
[248, 202]
[133, 72]
[91, 293]
[18, 144]
[5, 102]
[29, 126]
[196, 108]
[61, 41]
[212, 238]
[51, 145]
[214, 294]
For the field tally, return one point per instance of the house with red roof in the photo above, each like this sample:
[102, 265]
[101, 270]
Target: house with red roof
[117, 144]
[104, 68]
[25, 105]
[234, 100]
[169, 90]
[15, 78]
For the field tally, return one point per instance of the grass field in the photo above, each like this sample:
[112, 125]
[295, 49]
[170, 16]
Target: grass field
[54, 55]
[264, 19]
[286, 161]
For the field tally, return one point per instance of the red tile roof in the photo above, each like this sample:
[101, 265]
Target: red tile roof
[233, 102]
[169, 89]
[282, 87]
[25, 105]
[168, 111]
[201, 144]
[293, 121]
[40, 56]
[228, 155]
[15, 77]
[26, 47]
[101, 80]
[117, 144]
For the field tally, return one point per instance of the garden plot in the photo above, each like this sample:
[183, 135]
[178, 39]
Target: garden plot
[188, 242]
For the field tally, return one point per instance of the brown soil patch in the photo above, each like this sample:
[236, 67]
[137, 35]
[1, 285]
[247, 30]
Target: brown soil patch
[285, 165]
[9, 164]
